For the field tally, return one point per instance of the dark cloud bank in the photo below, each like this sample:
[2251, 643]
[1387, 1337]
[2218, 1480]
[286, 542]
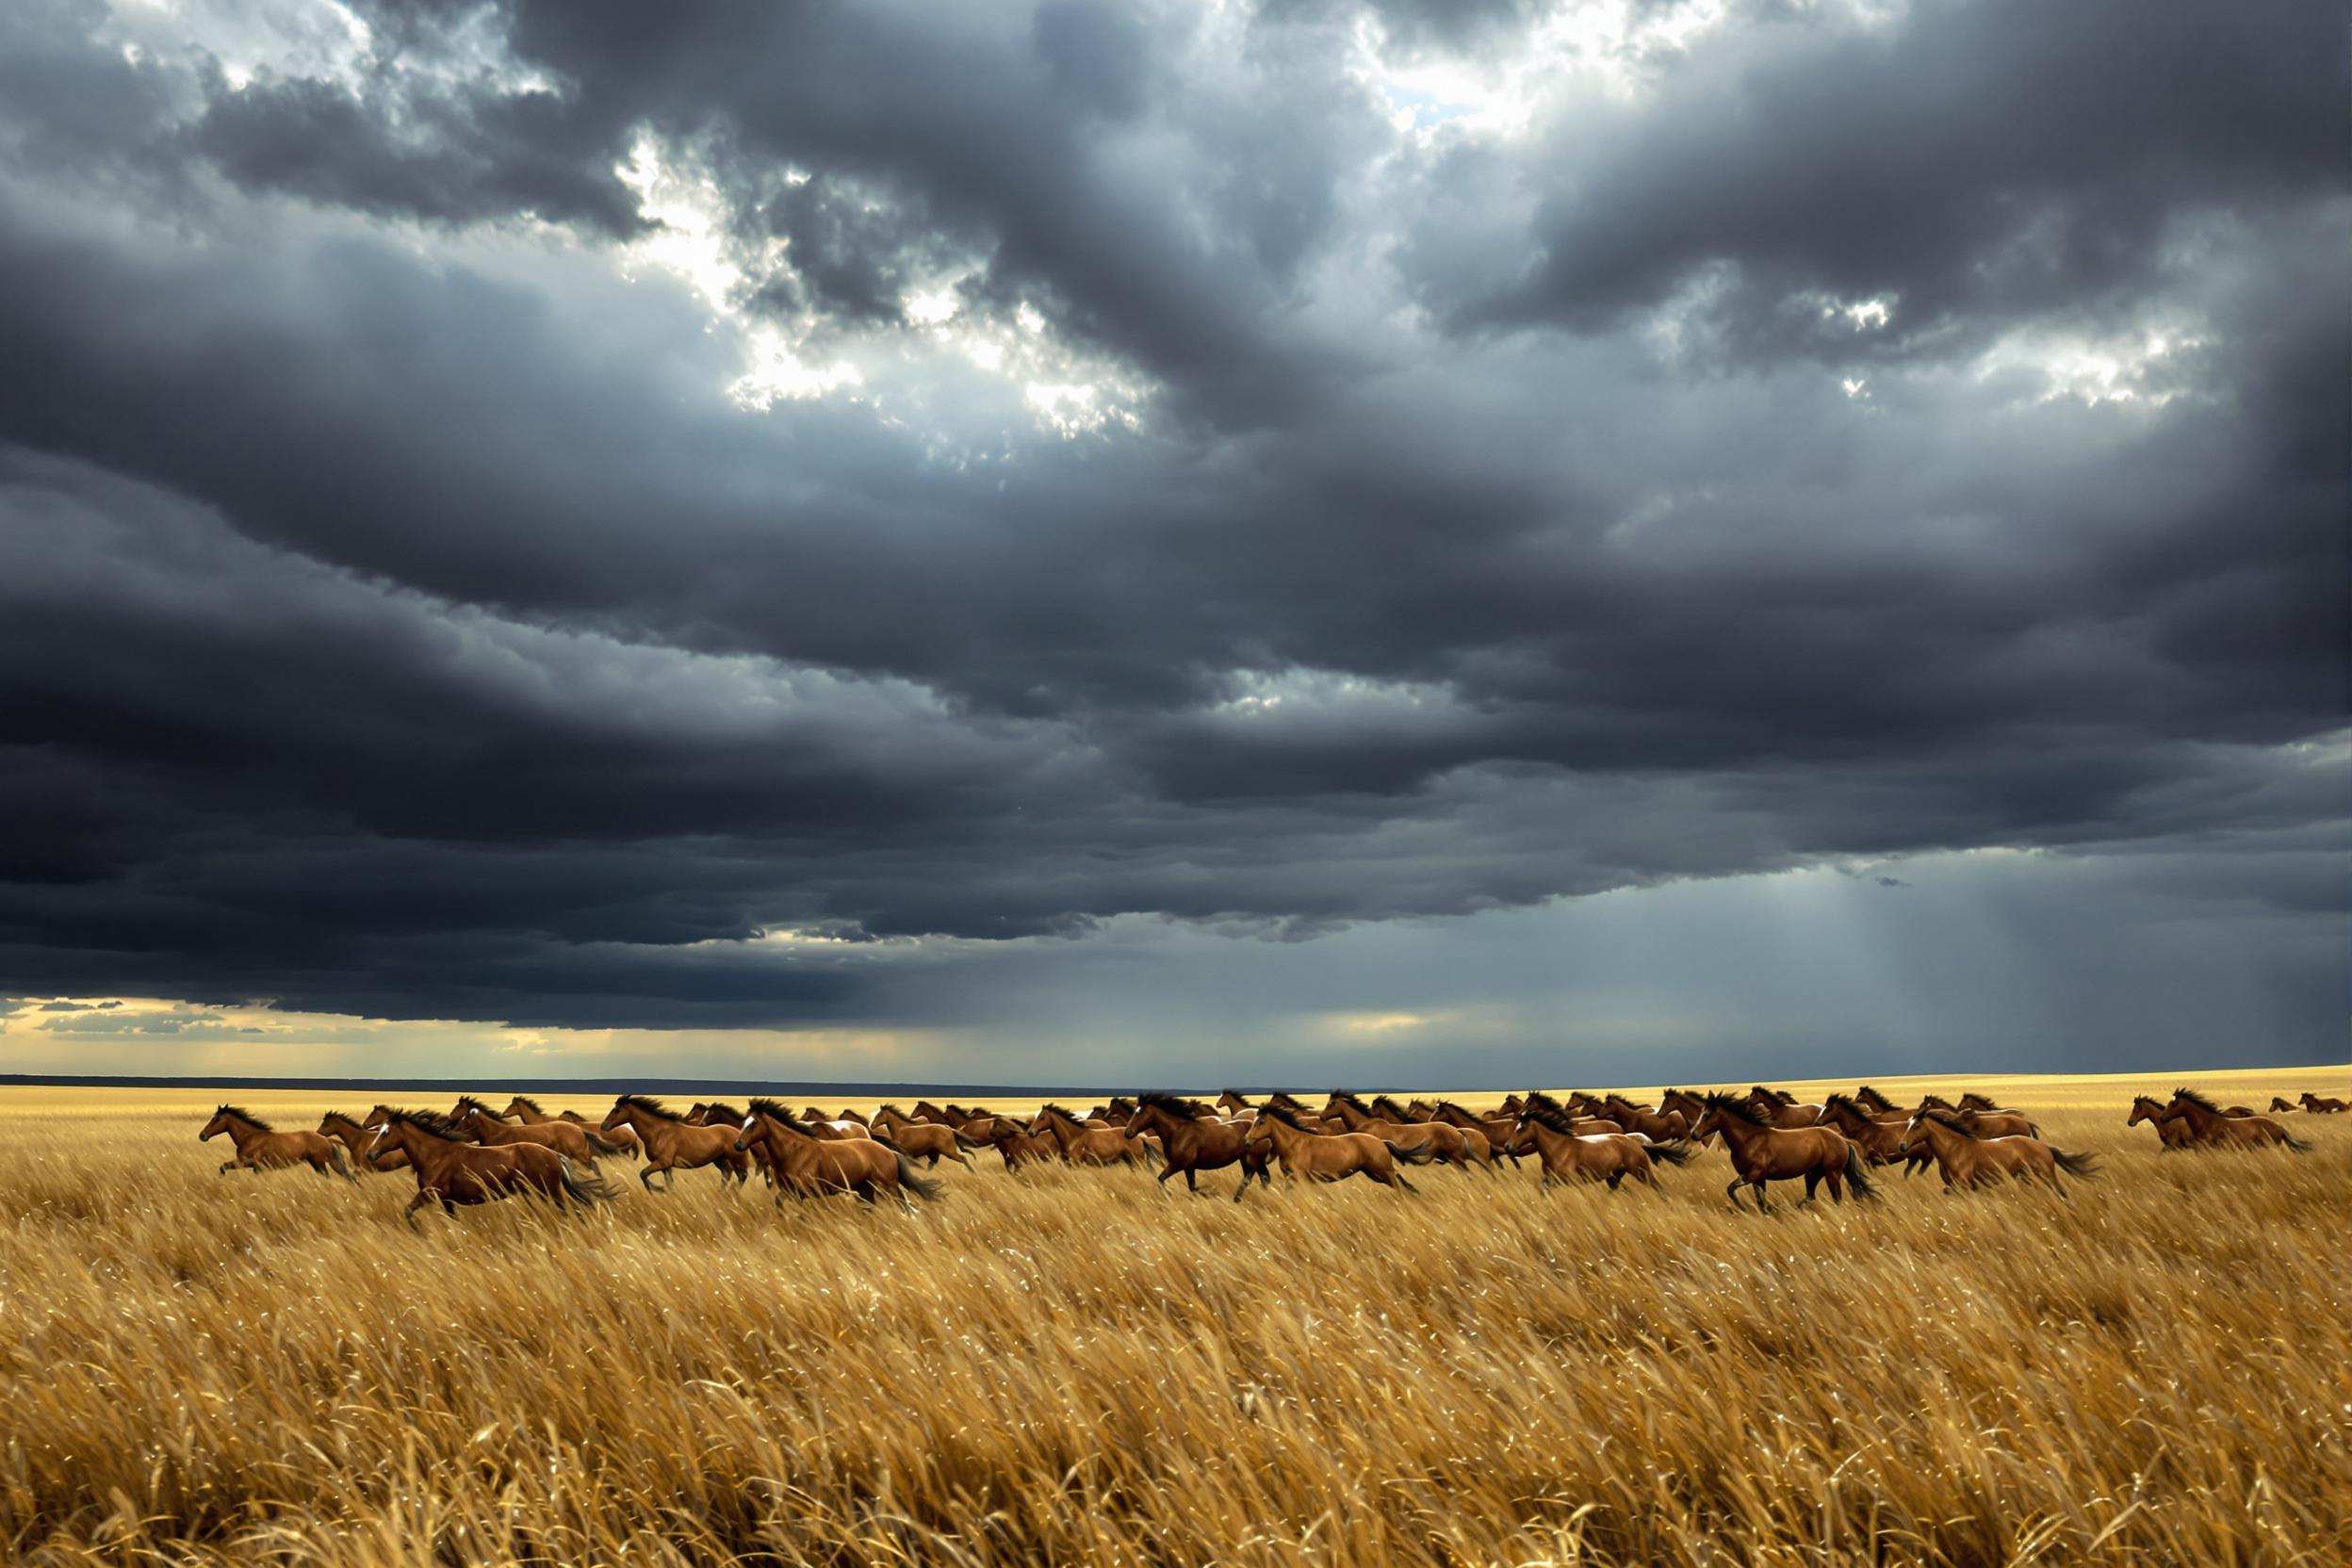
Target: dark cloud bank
[1825, 440]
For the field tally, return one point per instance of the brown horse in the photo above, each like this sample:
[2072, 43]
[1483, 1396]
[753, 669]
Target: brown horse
[1881, 1142]
[2322, 1106]
[260, 1147]
[1694, 1108]
[2170, 1136]
[355, 1138]
[1193, 1139]
[809, 1166]
[1877, 1103]
[450, 1170]
[1499, 1129]
[1659, 1125]
[1966, 1160]
[924, 1140]
[1985, 1124]
[1782, 1109]
[525, 1111]
[1081, 1144]
[1465, 1147]
[1762, 1152]
[2212, 1127]
[672, 1146]
[1569, 1155]
[1330, 1157]
[1017, 1145]
[582, 1144]
[1232, 1103]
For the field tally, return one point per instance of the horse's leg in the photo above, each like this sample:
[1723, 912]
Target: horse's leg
[1613, 1178]
[1732, 1191]
[225, 1168]
[1761, 1207]
[1812, 1185]
[1837, 1186]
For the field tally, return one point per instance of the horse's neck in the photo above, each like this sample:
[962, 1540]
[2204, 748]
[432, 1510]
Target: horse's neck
[242, 1134]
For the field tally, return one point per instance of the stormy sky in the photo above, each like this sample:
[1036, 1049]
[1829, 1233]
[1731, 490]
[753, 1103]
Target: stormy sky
[1173, 541]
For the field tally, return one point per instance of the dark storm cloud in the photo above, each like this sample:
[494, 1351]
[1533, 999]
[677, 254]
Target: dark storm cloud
[391, 625]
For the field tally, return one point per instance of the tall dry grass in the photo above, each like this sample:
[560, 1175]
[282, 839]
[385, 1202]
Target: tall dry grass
[1070, 1366]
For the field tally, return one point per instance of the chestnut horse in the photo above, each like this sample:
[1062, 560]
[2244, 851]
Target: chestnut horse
[1881, 1142]
[450, 1170]
[1660, 1125]
[2169, 1134]
[1018, 1145]
[1966, 1160]
[1782, 1109]
[1194, 1139]
[926, 1141]
[1877, 1103]
[1499, 1129]
[525, 1111]
[1447, 1144]
[672, 1146]
[809, 1166]
[2319, 1106]
[2212, 1127]
[1081, 1144]
[1976, 1119]
[583, 1144]
[1568, 1154]
[260, 1147]
[1234, 1103]
[355, 1138]
[1762, 1152]
[1330, 1157]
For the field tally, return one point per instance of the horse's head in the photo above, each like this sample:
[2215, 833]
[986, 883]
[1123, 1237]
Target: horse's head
[219, 1123]
[613, 1118]
[748, 1134]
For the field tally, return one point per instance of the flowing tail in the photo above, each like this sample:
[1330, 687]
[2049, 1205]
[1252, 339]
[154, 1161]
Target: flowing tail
[1415, 1153]
[2295, 1143]
[925, 1188]
[2085, 1165]
[964, 1142]
[584, 1188]
[602, 1145]
[1863, 1190]
[1674, 1151]
[342, 1163]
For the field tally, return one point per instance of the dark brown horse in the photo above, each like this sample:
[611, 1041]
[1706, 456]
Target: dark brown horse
[1499, 1129]
[1569, 1155]
[1762, 1152]
[261, 1148]
[354, 1137]
[2170, 1136]
[926, 1141]
[1660, 1125]
[1017, 1145]
[809, 1166]
[452, 1170]
[2212, 1127]
[1877, 1103]
[1881, 1142]
[582, 1144]
[1465, 1147]
[1194, 1139]
[1966, 1160]
[672, 1146]
[527, 1112]
[1782, 1109]
[1330, 1157]
[2321, 1105]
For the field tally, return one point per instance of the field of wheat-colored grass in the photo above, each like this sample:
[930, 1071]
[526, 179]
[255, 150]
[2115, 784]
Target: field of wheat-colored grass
[1070, 1366]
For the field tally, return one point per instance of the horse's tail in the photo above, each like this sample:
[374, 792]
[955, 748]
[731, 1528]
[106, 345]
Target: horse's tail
[2032, 1131]
[925, 1188]
[584, 1189]
[964, 1142]
[2085, 1165]
[1674, 1152]
[1411, 1153]
[1863, 1190]
[2293, 1142]
[342, 1162]
[599, 1144]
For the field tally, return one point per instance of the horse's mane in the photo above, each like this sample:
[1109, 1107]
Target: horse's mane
[1866, 1092]
[722, 1111]
[1235, 1093]
[651, 1106]
[466, 1101]
[1287, 1117]
[891, 1110]
[430, 1122]
[1460, 1110]
[1120, 1103]
[1781, 1095]
[530, 1104]
[1063, 1113]
[1736, 1107]
[1845, 1103]
[1550, 1115]
[1287, 1101]
[245, 1116]
[1344, 1097]
[1386, 1105]
[2198, 1100]
[1940, 1120]
[1174, 1104]
[1935, 1102]
[2147, 1099]
[347, 1120]
[1536, 1100]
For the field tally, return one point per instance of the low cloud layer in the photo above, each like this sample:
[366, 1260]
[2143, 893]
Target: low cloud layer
[730, 515]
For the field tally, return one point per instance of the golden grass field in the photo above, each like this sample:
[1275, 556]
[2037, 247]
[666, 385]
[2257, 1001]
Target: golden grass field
[1068, 1367]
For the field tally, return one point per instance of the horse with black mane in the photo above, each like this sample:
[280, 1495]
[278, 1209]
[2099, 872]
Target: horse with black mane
[809, 1166]
[355, 1137]
[1193, 1139]
[1966, 1159]
[1569, 1155]
[1762, 1152]
[528, 1112]
[452, 1170]
[261, 1147]
[1330, 1157]
[671, 1145]
[2212, 1127]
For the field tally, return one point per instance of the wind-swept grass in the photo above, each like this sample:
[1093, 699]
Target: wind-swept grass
[1070, 1366]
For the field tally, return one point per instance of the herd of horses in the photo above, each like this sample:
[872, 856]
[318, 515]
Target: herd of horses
[474, 1154]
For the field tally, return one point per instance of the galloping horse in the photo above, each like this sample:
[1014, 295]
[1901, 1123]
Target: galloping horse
[671, 1145]
[582, 1144]
[1977, 1118]
[1499, 1129]
[1083, 1144]
[2319, 1106]
[926, 1141]
[1659, 1125]
[1881, 1142]
[808, 1165]
[2169, 1134]
[1568, 1154]
[1762, 1152]
[1194, 1141]
[1968, 1160]
[1694, 1109]
[450, 1170]
[2280, 1103]
[355, 1138]
[1020, 1144]
[1877, 1103]
[259, 1148]
[2211, 1126]
[1780, 1109]
[1236, 1103]
[1447, 1144]
[1330, 1157]
[524, 1110]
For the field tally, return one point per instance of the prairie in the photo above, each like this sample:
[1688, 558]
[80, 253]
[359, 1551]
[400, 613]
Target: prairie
[1071, 1366]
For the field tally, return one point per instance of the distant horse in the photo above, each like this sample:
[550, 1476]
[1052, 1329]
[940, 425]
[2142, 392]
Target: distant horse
[1330, 1157]
[1569, 1155]
[260, 1147]
[924, 1140]
[582, 1144]
[1978, 1119]
[523, 1109]
[1234, 1103]
[1193, 1142]
[1966, 1160]
[1497, 1129]
[1762, 1152]
[2212, 1127]
[1083, 1144]
[672, 1146]
[2169, 1134]
[1017, 1145]
[2280, 1103]
[2320, 1105]
[1694, 1108]
[1782, 1109]
[1881, 1142]
[1465, 1147]
[452, 1170]
[355, 1137]
[808, 1165]
[1659, 1125]
[1877, 1103]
